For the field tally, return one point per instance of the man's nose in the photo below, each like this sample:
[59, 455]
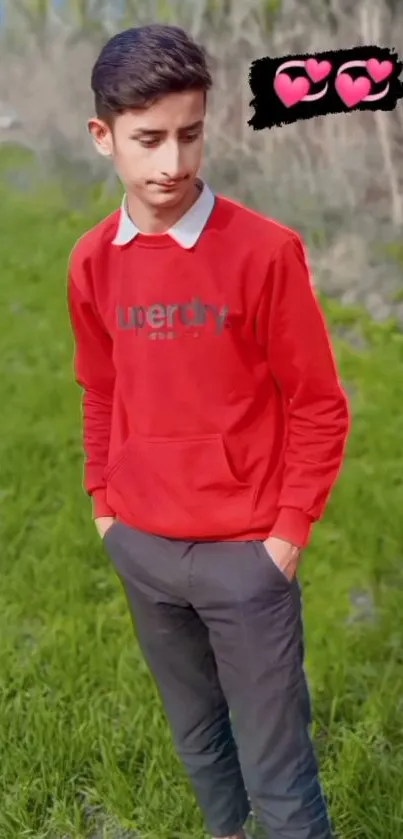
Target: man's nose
[171, 161]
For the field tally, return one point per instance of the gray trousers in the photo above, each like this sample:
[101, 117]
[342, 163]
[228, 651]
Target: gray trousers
[220, 628]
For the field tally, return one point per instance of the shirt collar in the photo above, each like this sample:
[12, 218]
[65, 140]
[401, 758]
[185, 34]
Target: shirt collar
[185, 232]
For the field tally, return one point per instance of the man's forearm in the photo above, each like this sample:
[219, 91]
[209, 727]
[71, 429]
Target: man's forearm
[97, 418]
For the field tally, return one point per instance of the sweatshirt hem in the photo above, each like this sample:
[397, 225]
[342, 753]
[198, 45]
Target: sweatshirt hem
[258, 533]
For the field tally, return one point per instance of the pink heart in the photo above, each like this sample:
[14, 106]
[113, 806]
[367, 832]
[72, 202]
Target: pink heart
[317, 70]
[352, 91]
[379, 70]
[290, 91]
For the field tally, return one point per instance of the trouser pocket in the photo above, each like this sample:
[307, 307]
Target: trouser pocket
[267, 558]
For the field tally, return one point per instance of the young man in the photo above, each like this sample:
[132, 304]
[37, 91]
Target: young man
[214, 431]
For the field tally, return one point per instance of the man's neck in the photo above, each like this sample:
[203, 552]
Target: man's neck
[150, 221]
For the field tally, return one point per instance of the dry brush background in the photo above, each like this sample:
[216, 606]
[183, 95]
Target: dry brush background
[337, 179]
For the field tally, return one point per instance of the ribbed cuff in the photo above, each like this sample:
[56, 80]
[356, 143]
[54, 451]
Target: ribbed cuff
[99, 506]
[293, 526]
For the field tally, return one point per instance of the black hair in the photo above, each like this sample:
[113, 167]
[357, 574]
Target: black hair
[140, 65]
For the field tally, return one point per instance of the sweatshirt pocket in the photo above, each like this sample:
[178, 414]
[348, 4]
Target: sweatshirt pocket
[181, 487]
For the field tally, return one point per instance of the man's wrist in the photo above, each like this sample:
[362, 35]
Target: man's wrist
[103, 523]
[290, 547]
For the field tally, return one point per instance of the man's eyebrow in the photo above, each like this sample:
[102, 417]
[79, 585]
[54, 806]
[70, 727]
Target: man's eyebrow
[194, 125]
[153, 132]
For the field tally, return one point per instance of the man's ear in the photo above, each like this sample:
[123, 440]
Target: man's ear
[102, 136]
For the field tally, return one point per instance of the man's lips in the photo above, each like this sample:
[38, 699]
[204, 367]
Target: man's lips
[168, 184]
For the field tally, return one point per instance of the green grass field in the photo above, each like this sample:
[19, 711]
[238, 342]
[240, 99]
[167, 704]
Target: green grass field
[85, 750]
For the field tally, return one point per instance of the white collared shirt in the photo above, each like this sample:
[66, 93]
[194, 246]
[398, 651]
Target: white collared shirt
[185, 232]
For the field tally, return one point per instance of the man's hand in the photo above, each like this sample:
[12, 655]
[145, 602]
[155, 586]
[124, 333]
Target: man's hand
[103, 524]
[285, 555]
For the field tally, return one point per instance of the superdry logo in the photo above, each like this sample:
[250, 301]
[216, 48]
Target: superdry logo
[168, 320]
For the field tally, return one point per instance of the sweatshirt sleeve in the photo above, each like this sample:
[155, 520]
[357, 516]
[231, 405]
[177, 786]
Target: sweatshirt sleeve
[95, 374]
[302, 363]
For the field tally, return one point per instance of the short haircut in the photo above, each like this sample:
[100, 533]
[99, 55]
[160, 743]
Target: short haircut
[140, 65]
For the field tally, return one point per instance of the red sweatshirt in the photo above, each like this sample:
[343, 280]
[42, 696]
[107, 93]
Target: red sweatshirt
[212, 407]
